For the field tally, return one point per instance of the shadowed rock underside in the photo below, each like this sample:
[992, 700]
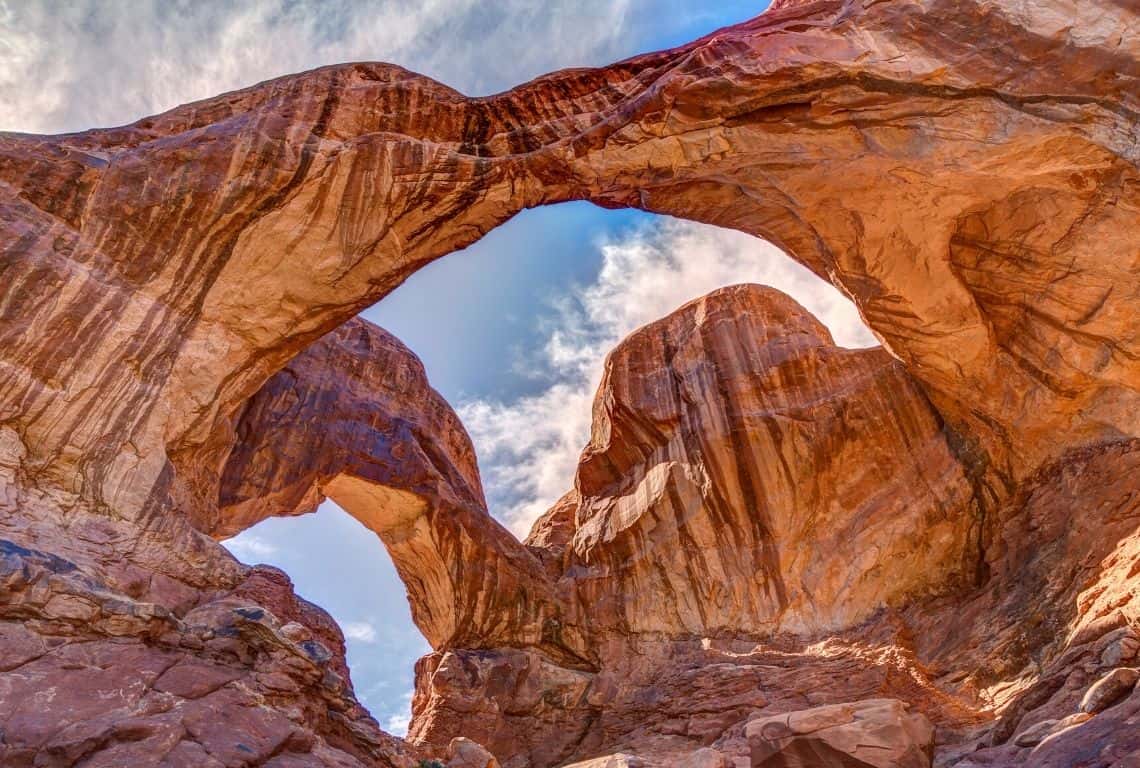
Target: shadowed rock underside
[762, 524]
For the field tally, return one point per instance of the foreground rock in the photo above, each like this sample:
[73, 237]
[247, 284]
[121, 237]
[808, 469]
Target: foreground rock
[93, 677]
[464, 753]
[965, 172]
[878, 733]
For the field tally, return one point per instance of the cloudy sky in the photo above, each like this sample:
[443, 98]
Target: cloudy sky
[512, 330]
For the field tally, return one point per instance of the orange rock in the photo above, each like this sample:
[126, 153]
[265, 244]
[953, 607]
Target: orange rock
[464, 753]
[353, 418]
[746, 475]
[772, 526]
[877, 733]
[977, 208]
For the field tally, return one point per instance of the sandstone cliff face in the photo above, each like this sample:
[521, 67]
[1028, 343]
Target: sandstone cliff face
[965, 171]
[746, 475]
[735, 447]
[354, 418]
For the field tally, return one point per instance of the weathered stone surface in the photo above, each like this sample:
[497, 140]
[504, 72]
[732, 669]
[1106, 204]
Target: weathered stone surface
[1042, 730]
[1036, 733]
[619, 760]
[522, 705]
[965, 171]
[744, 475]
[1109, 689]
[971, 203]
[878, 733]
[1016, 637]
[95, 677]
[733, 441]
[464, 753]
[354, 418]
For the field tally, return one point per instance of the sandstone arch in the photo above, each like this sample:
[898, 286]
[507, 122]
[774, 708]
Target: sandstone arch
[980, 211]
[353, 418]
[178, 263]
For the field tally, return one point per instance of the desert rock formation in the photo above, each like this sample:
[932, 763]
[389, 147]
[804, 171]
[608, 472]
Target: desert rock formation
[175, 365]
[353, 417]
[735, 447]
[745, 476]
[877, 733]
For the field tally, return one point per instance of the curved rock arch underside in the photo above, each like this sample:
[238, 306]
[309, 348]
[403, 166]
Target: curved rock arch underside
[763, 523]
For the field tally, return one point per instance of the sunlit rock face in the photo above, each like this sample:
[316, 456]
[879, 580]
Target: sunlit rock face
[353, 418]
[965, 171]
[735, 447]
[745, 478]
[746, 475]
[877, 733]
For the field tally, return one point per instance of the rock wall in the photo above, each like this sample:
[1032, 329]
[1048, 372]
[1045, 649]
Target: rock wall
[736, 448]
[967, 172]
[745, 475]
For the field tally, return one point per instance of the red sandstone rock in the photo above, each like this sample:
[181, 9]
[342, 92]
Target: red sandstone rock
[354, 418]
[94, 677]
[965, 171]
[745, 475]
[464, 753]
[878, 733]
[956, 657]
[1109, 690]
[971, 202]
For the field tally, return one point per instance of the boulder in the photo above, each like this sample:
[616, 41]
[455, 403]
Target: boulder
[876, 733]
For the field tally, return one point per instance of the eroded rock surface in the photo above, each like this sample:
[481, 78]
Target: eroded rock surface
[965, 171]
[746, 475]
[878, 733]
[735, 446]
[354, 418]
[90, 676]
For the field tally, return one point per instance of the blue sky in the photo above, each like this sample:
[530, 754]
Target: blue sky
[512, 330]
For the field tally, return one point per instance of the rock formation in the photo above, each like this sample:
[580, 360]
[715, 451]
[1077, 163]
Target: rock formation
[353, 417]
[877, 733]
[761, 524]
[744, 476]
[736, 448]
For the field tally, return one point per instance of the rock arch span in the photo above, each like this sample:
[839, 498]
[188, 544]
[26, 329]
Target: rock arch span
[354, 418]
[193, 253]
[980, 212]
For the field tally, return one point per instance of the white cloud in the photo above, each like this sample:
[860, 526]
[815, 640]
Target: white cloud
[398, 721]
[360, 631]
[529, 446]
[248, 546]
[86, 63]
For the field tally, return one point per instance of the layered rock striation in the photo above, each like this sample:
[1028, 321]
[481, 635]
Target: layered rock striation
[971, 203]
[764, 523]
[745, 475]
[761, 524]
[354, 418]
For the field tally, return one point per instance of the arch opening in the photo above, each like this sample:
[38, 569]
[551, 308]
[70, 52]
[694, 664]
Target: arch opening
[639, 267]
[957, 225]
[336, 562]
[530, 418]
